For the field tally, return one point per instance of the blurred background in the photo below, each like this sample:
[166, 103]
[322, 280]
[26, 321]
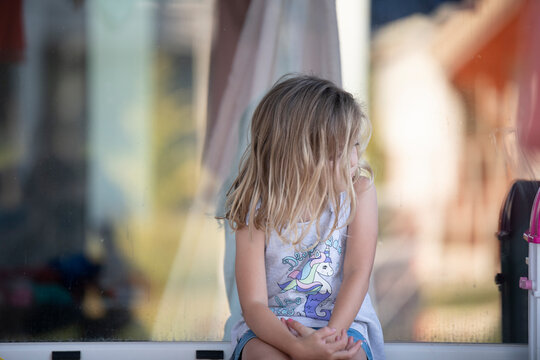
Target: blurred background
[122, 122]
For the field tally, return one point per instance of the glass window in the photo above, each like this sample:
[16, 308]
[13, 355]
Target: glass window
[445, 92]
[102, 132]
[121, 123]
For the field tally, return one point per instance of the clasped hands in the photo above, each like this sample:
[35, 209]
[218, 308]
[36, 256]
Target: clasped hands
[323, 343]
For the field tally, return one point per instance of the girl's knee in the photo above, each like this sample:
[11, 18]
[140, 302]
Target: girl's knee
[256, 349]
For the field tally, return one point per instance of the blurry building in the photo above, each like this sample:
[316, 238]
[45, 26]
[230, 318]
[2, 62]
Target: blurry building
[445, 101]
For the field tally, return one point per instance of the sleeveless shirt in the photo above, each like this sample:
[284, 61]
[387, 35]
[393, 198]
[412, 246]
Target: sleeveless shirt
[303, 282]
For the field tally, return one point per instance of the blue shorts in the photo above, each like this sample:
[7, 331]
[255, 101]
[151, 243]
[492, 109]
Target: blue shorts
[250, 335]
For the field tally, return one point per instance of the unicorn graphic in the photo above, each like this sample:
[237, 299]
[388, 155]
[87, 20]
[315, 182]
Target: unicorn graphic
[311, 282]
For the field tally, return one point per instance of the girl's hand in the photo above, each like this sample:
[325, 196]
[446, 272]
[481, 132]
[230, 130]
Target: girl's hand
[322, 343]
[306, 330]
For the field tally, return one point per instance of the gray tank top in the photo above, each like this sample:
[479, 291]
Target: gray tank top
[303, 283]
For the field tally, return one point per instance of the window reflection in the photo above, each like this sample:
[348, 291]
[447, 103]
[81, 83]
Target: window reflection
[120, 122]
[101, 134]
[444, 108]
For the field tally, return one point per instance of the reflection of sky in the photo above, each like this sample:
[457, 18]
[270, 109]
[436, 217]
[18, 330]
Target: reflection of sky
[385, 11]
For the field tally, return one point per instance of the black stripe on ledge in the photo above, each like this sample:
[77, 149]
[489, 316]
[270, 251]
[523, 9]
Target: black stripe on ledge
[210, 354]
[66, 355]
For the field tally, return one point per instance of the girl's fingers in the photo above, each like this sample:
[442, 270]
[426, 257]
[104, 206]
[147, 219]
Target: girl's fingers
[286, 322]
[337, 337]
[340, 343]
[326, 332]
[347, 354]
[299, 328]
[342, 339]
[350, 343]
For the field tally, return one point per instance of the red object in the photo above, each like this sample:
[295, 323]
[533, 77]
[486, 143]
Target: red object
[11, 31]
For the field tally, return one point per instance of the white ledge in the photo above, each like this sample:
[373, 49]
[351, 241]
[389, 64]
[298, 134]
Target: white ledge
[186, 350]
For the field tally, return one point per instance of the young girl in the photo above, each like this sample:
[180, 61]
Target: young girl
[304, 210]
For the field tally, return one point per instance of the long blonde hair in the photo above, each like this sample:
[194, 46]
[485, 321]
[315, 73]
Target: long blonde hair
[302, 134]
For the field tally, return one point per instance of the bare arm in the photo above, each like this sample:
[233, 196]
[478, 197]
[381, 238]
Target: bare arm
[359, 257]
[251, 282]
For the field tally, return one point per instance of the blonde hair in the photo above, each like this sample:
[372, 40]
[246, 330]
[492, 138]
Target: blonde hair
[302, 134]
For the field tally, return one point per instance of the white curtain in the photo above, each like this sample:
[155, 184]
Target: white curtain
[277, 37]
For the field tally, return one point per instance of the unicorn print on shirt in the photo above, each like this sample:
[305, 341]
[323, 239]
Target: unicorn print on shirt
[311, 281]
